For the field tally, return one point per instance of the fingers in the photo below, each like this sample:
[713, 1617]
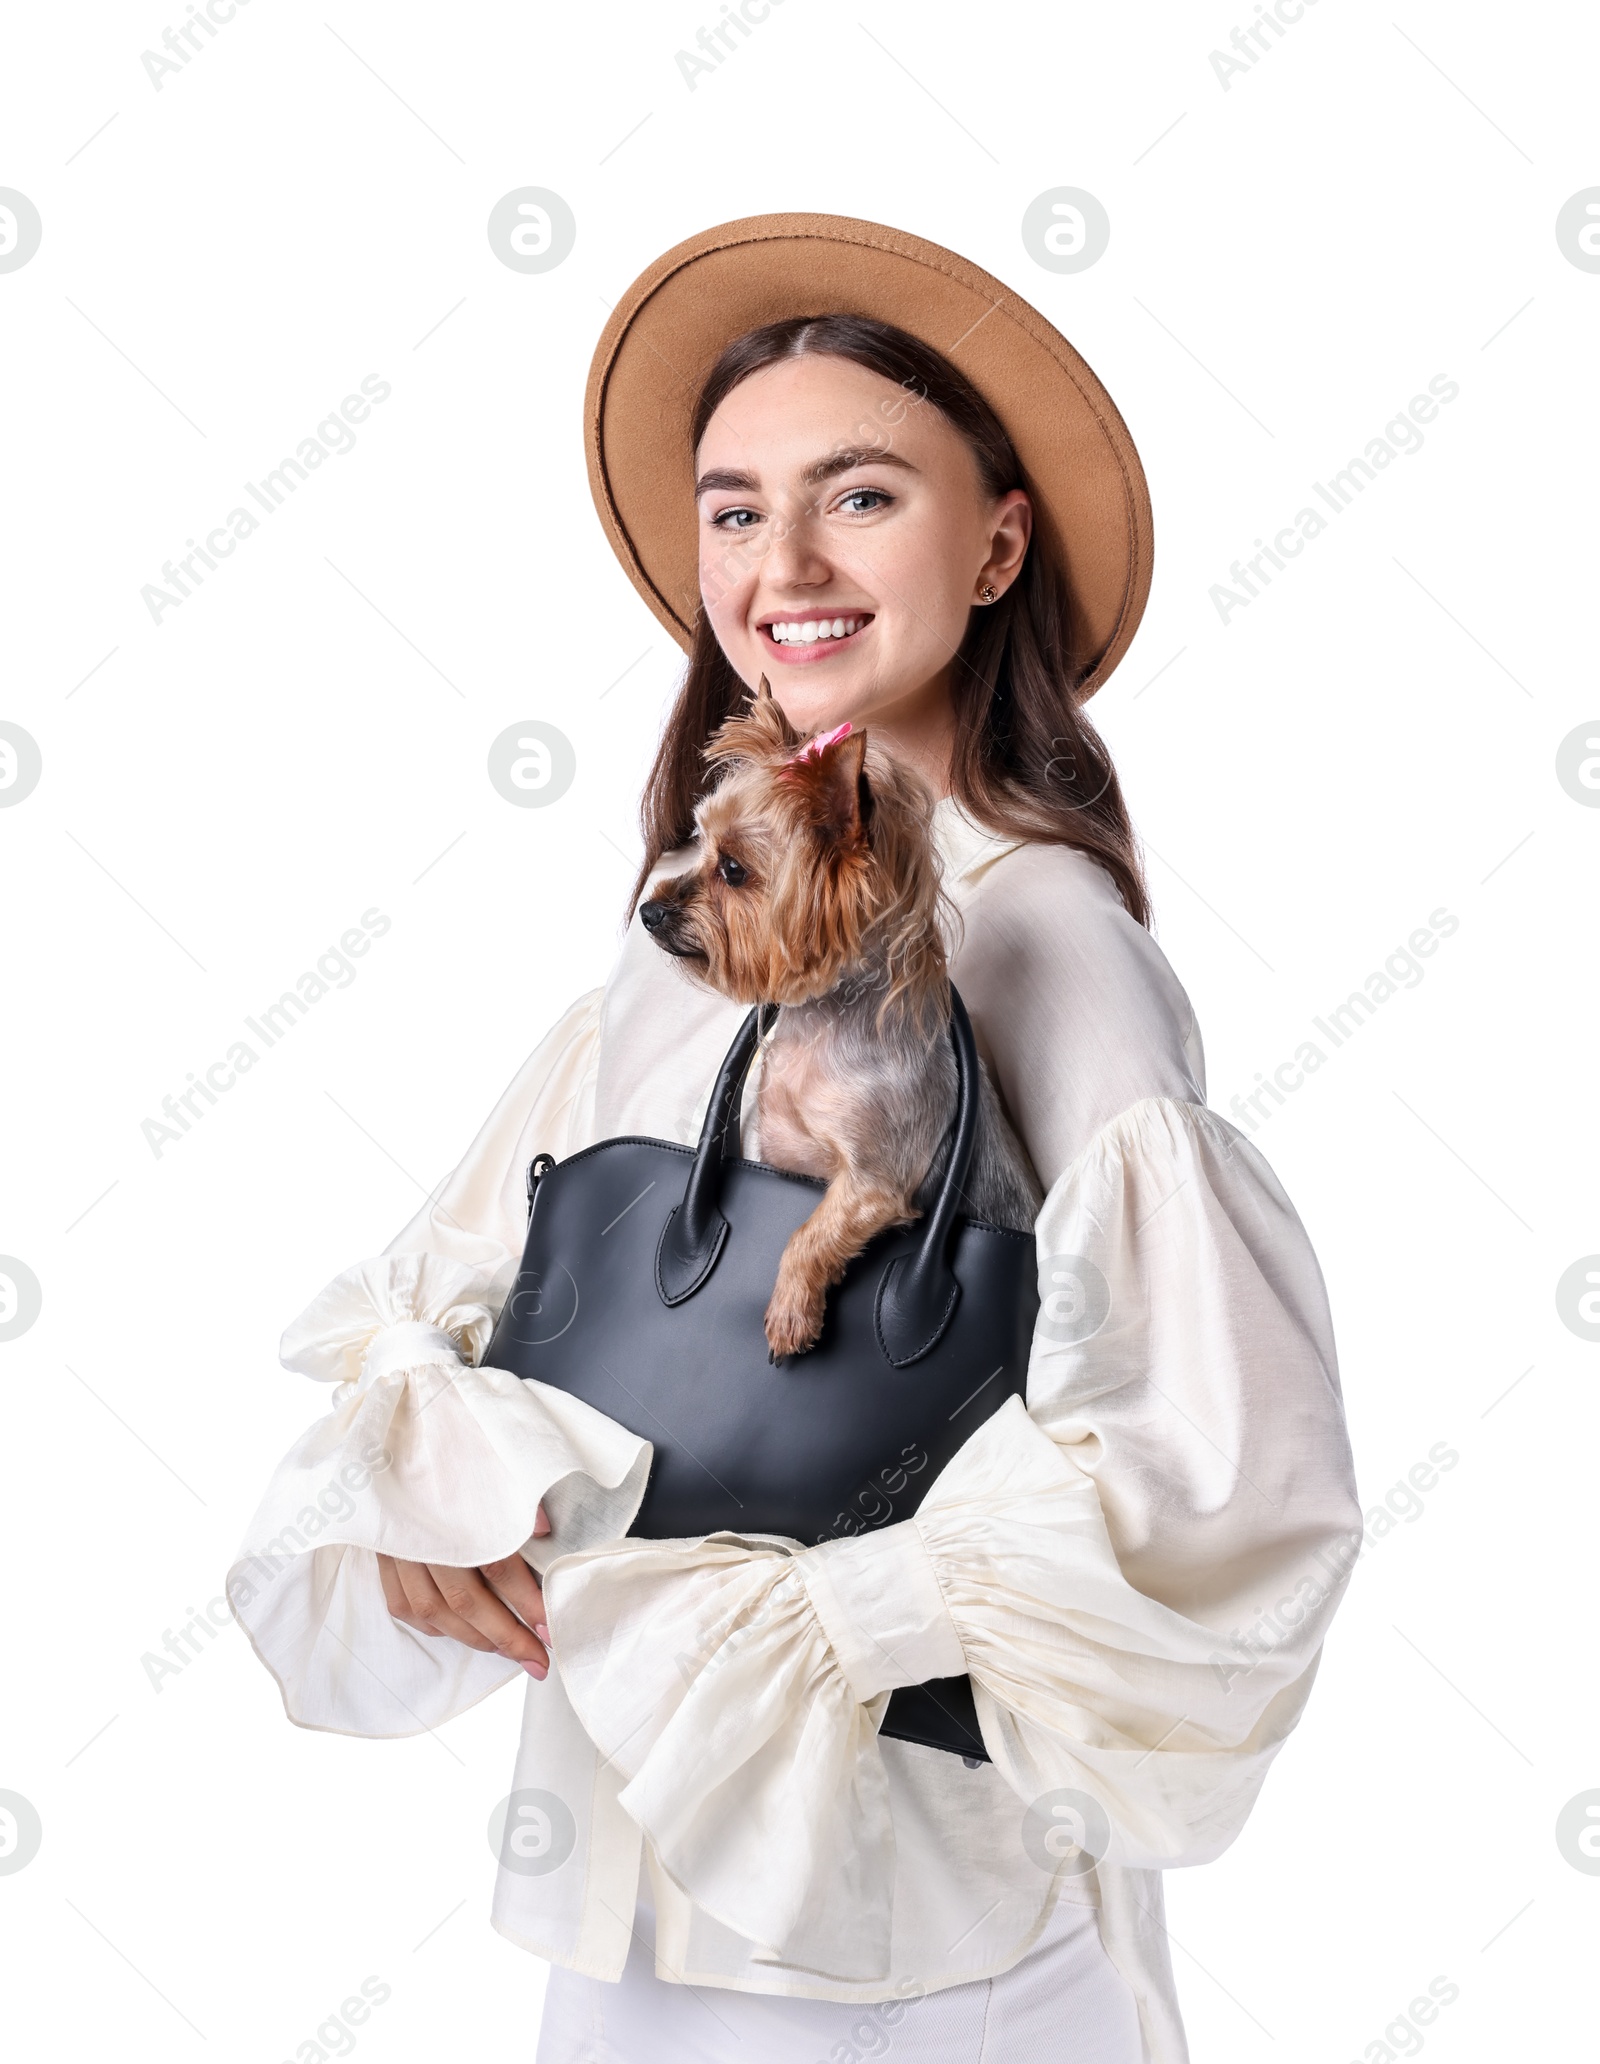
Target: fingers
[394, 1575]
[438, 1600]
[393, 1591]
[414, 1600]
[514, 1582]
[519, 1586]
[511, 1583]
[433, 1605]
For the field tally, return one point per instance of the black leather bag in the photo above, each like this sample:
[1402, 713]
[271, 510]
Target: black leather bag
[643, 1289]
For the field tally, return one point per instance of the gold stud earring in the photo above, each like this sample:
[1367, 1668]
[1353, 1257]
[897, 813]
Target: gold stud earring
[988, 592]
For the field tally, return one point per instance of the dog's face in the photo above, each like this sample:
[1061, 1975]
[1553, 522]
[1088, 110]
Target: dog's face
[785, 889]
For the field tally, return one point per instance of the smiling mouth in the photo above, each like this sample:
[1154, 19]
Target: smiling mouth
[813, 635]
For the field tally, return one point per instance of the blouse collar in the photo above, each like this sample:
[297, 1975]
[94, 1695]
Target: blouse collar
[967, 848]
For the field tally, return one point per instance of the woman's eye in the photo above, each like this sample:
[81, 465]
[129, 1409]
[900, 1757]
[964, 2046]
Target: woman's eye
[731, 871]
[863, 501]
[734, 519]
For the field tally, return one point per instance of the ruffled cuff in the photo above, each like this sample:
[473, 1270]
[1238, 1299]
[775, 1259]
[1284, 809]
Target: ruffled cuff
[738, 1683]
[1083, 1685]
[424, 1456]
[701, 1671]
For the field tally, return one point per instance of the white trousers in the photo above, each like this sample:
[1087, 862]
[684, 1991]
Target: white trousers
[1064, 2003]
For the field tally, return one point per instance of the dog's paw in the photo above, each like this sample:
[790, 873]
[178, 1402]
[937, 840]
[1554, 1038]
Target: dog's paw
[791, 1327]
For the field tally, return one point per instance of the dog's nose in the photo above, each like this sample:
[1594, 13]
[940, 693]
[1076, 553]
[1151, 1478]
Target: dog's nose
[652, 916]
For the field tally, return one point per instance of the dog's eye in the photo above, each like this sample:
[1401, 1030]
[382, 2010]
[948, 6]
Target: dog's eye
[731, 870]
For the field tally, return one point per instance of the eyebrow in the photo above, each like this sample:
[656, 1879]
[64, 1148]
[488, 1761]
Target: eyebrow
[845, 460]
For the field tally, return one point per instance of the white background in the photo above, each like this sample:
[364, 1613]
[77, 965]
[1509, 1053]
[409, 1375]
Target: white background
[1373, 738]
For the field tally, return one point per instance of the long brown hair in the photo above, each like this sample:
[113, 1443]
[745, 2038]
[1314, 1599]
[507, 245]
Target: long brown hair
[1026, 762]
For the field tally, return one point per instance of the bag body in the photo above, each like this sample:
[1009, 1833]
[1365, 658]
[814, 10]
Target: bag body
[643, 1291]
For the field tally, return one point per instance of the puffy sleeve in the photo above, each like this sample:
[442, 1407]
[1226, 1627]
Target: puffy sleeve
[1136, 1568]
[424, 1453]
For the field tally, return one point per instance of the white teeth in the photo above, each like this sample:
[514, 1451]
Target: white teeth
[818, 627]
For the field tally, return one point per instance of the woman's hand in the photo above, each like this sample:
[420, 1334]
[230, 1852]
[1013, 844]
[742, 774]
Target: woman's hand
[491, 1608]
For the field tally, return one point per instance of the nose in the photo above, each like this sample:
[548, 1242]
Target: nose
[793, 556]
[652, 916]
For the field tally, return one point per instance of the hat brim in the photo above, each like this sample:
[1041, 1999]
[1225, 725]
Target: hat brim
[1091, 503]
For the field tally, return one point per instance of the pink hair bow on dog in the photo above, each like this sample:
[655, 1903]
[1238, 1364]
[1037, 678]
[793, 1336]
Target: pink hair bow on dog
[814, 748]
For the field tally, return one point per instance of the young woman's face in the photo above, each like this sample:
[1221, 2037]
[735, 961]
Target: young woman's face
[844, 539]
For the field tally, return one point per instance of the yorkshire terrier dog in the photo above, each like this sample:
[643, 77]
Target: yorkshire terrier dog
[818, 888]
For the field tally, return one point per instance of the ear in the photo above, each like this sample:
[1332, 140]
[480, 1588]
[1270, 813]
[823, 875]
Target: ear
[759, 731]
[766, 709]
[837, 787]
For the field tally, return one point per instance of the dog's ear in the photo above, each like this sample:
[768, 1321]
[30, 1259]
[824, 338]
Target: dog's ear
[760, 731]
[837, 788]
[766, 711]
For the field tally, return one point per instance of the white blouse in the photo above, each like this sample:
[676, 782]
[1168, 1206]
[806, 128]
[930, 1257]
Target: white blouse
[1136, 1568]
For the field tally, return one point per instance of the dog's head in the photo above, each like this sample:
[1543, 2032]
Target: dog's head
[815, 865]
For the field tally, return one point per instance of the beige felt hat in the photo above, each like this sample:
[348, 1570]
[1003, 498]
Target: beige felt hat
[1091, 504]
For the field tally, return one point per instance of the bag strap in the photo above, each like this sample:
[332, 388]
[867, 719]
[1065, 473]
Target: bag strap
[918, 1292]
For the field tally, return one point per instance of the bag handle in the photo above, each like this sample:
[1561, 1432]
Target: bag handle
[695, 1229]
[918, 1292]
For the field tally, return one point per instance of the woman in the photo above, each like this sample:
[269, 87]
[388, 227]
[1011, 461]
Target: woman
[707, 1836]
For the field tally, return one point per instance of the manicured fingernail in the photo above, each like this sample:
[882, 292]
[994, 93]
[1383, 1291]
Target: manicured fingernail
[539, 1670]
[543, 1633]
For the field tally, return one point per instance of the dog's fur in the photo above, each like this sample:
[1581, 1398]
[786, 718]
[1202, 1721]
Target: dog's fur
[841, 918]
